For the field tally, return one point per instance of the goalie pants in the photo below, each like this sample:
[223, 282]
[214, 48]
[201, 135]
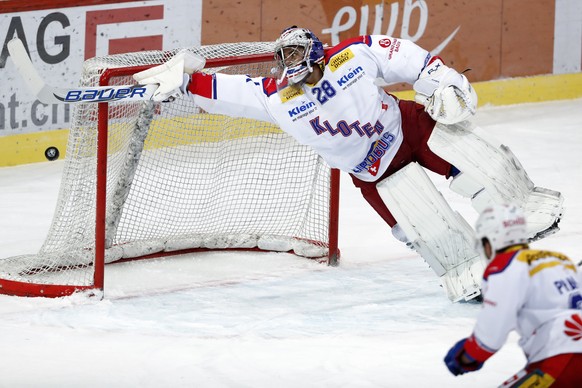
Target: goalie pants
[417, 126]
[559, 371]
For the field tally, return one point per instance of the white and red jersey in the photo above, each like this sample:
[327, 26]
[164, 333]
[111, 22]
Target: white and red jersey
[536, 293]
[346, 117]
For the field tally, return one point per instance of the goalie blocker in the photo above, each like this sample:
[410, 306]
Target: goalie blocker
[490, 174]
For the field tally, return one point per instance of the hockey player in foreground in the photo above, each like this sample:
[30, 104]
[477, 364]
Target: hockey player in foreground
[331, 101]
[535, 292]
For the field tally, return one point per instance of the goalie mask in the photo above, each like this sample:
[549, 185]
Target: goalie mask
[296, 51]
[502, 226]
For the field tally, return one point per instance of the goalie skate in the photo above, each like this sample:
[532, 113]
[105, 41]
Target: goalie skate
[551, 202]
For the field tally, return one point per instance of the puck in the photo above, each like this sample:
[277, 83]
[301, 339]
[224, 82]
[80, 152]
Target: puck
[52, 153]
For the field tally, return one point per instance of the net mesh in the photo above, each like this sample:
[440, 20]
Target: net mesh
[180, 178]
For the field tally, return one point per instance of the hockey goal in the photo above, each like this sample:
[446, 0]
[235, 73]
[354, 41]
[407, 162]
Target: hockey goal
[144, 179]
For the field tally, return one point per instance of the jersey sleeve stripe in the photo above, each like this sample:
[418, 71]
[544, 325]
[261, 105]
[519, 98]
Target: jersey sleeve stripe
[477, 349]
[364, 39]
[203, 85]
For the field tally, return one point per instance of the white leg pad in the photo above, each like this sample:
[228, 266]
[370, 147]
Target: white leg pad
[496, 174]
[439, 234]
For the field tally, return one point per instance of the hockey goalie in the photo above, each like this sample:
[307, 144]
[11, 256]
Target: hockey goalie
[329, 99]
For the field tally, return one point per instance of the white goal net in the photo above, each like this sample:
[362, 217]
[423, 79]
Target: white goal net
[145, 179]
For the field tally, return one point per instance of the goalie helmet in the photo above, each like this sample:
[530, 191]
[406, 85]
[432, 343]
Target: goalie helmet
[502, 226]
[296, 51]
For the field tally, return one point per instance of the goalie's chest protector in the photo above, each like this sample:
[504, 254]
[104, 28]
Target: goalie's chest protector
[351, 122]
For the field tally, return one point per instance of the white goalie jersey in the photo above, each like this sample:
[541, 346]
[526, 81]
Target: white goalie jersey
[346, 118]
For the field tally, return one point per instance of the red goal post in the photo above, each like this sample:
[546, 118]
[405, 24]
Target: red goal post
[144, 180]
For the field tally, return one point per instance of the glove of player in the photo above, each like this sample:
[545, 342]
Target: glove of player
[447, 96]
[172, 76]
[459, 362]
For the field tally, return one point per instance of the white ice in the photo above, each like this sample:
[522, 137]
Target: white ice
[380, 319]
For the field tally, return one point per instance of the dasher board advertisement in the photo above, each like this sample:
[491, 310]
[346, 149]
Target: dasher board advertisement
[60, 40]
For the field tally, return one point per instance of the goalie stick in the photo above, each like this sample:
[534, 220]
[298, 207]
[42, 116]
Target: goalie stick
[51, 94]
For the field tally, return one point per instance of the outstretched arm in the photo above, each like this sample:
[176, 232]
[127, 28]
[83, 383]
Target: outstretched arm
[232, 95]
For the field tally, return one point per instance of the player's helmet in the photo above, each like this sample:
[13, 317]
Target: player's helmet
[296, 51]
[503, 226]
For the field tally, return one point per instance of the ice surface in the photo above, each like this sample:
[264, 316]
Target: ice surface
[221, 319]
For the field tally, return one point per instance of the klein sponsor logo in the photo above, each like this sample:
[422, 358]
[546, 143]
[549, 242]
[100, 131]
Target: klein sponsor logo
[300, 109]
[340, 59]
[344, 80]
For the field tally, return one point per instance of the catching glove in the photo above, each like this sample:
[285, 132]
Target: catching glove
[459, 362]
[172, 76]
[447, 96]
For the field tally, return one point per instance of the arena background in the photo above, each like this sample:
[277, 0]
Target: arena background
[518, 50]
